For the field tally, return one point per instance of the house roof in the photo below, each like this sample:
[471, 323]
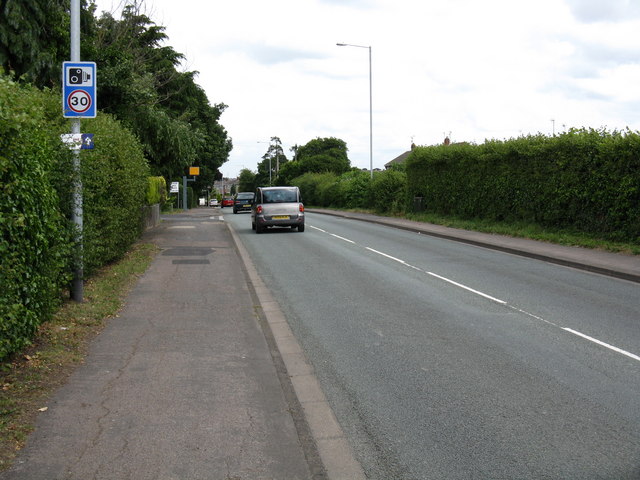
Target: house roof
[399, 159]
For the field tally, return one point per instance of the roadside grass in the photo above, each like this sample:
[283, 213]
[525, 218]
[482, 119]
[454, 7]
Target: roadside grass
[28, 378]
[531, 231]
[517, 229]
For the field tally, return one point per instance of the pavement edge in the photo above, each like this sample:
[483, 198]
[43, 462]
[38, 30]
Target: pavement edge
[332, 445]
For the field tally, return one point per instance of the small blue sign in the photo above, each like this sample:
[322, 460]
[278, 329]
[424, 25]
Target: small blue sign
[87, 141]
[79, 89]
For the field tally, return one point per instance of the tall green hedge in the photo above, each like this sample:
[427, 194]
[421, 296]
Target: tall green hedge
[35, 204]
[389, 191]
[588, 180]
[115, 179]
[156, 190]
[34, 236]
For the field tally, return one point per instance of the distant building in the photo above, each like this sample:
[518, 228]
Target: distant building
[400, 158]
[224, 186]
[403, 157]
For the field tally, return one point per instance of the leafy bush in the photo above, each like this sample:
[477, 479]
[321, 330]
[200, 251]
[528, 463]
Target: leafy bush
[115, 180]
[389, 191]
[353, 189]
[588, 180]
[156, 190]
[313, 187]
[34, 236]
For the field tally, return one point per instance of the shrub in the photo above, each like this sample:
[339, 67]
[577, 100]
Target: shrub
[587, 180]
[115, 180]
[34, 236]
[353, 189]
[389, 191]
[156, 190]
[308, 184]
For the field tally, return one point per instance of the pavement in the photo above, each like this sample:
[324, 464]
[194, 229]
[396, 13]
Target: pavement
[200, 377]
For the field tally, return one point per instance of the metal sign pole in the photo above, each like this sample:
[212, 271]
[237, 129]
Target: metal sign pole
[184, 194]
[77, 287]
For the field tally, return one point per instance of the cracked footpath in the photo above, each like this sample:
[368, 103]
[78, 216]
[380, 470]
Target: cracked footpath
[183, 384]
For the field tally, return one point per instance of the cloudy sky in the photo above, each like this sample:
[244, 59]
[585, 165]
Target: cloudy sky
[468, 69]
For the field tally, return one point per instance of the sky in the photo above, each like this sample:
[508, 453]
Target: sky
[465, 69]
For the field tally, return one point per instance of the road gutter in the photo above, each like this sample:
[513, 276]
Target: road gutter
[331, 443]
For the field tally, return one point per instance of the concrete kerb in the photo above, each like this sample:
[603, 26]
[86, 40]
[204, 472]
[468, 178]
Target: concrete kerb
[335, 452]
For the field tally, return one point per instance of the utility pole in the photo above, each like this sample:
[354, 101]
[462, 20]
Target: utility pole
[77, 287]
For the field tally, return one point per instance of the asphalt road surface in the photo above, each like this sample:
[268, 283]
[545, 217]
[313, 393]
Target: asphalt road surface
[444, 360]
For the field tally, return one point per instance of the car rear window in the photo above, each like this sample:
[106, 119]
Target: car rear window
[244, 196]
[279, 196]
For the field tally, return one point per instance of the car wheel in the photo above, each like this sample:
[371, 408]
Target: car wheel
[301, 227]
[258, 228]
[253, 226]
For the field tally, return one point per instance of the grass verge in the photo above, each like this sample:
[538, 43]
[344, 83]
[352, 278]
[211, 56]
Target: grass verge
[28, 378]
[518, 229]
[531, 231]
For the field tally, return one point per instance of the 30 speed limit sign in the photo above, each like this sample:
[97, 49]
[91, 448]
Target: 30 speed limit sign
[79, 101]
[79, 92]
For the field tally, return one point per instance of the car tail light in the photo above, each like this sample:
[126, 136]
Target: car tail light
[259, 209]
[301, 207]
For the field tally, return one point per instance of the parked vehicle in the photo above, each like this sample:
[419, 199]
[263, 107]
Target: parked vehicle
[242, 202]
[277, 207]
[214, 202]
[227, 202]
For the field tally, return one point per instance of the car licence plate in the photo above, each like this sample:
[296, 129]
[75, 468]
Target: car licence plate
[246, 206]
[280, 217]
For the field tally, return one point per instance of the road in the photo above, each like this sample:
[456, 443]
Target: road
[444, 360]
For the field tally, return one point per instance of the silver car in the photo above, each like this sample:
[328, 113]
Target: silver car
[277, 207]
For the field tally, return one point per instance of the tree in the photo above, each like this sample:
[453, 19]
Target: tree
[34, 38]
[272, 161]
[246, 180]
[171, 114]
[320, 155]
[139, 79]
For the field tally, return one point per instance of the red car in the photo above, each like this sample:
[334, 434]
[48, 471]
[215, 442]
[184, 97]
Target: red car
[227, 202]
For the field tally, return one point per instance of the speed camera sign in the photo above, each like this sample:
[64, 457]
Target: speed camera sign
[79, 92]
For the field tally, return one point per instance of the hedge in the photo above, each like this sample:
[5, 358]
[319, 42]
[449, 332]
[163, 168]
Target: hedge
[35, 205]
[34, 236]
[587, 180]
[115, 180]
[156, 190]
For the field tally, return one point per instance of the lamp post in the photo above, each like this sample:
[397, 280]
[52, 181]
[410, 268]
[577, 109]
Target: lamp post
[370, 104]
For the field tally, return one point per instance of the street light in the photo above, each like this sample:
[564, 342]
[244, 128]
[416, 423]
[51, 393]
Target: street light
[370, 105]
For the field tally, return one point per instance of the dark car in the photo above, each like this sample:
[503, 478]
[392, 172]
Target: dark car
[243, 202]
[277, 207]
[227, 202]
